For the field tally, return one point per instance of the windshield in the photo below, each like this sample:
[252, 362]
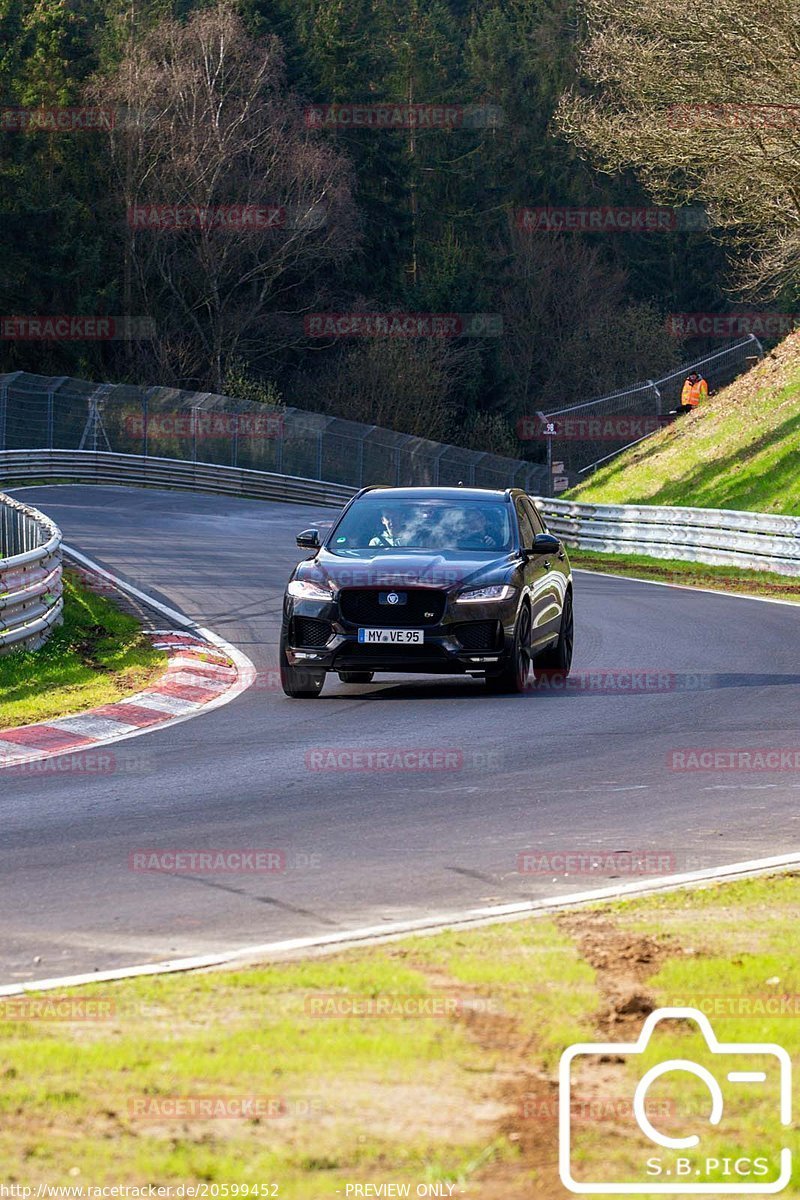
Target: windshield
[373, 523]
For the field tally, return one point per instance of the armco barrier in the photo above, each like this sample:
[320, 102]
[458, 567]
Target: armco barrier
[30, 576]
[95, 466]
[713, 536]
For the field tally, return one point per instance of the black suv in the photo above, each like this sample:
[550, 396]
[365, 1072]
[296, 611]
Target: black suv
[429, 579]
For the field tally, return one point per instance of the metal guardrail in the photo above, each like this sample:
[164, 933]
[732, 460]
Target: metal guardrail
[97, 466]
[30, 576]
[705, 535]
[714, 536]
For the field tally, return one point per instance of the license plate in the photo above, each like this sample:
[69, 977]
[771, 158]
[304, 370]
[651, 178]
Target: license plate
[397, 637]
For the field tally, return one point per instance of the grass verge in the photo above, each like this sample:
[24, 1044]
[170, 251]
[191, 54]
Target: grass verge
[452, 1084]
[668, 570]
[738, 450]
[97, 656]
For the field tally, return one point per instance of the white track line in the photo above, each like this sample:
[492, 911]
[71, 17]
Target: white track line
[688, 587]
[375, 934]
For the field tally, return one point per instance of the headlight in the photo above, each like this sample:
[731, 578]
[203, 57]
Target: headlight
[306, 589]
[495, 591]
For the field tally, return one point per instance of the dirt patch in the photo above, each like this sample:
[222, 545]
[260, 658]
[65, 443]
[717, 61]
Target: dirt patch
[86, 648]
[624, 961]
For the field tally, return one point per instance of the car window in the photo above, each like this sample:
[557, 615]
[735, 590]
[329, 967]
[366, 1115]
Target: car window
[525, 525]
[533, 513]
[381, 523]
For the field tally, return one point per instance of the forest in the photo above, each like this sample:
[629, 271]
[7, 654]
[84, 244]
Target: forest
[344, 205]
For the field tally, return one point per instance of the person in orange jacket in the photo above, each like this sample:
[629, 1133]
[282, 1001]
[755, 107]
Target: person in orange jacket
[695, 389]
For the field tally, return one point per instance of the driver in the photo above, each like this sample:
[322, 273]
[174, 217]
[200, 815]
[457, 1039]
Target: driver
[478, 535]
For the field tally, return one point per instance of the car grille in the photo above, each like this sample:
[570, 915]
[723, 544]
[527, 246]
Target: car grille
[362, 606]
[477, 635]
[354, 653]
[308, 631]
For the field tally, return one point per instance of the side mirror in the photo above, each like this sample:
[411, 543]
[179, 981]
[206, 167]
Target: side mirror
[545, 543]
[308, 539]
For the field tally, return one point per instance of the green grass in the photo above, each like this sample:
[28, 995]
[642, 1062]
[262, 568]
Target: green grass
[738, 451]
[398, 1097]
[397, 1100]
[97, 656]
[668, 570]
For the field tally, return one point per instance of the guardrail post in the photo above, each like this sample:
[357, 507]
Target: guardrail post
[362, 441]
[51, 396]
[235, 441]
[145, 412]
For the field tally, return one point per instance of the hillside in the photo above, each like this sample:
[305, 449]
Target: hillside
[741, 450]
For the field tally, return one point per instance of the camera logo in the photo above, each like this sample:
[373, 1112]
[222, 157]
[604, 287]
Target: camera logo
[747, 1077]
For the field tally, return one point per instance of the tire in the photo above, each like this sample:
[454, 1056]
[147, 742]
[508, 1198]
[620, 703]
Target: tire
[300, 683]
[356, 676]
[556, 662]
[513, 679]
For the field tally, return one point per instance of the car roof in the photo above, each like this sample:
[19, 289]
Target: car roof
[435, 493]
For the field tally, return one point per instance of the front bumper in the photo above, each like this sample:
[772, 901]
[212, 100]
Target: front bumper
[443, 651]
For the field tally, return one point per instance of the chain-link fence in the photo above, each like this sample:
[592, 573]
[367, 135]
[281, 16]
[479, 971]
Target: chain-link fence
[581, 437]
[37, 412]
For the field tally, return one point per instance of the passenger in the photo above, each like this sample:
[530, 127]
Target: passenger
[388, 533]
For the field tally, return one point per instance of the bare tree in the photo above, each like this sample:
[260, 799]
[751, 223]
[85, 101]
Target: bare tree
[408, 384]
[256, 205]
[703, 102]
[570, 330]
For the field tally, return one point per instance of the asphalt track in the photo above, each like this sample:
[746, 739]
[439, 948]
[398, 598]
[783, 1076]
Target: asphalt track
[588, 769]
